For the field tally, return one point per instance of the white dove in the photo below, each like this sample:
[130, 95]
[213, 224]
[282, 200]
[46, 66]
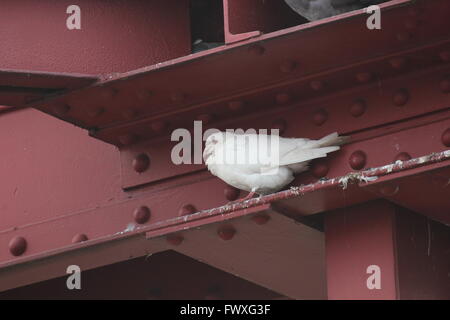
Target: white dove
[319, 9]
[246, 161]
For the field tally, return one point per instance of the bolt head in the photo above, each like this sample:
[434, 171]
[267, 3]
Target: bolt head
[403, 156]
[316, 85]
[446, 138]
[80, 237]
[141, 215]
[159, 126]
[389, 190]
[174, 239]
[445, 85]
[282, 98]
[186, 210]
[319, 169]
[17, 246]
[205, 118]
[364, 77]
[226, 233]
[358, 108]
[279, 124]
[141, 163]
[445, 56]
[320, 117]
[398, 62]
[401, 97]
[231, 193]
[236, 105]
[358, 160]
[261, 218]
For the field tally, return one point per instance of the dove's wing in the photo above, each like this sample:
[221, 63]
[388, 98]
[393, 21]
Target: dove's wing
[294, 150]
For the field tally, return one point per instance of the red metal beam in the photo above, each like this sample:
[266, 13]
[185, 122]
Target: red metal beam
[409, 251]
[168, 87]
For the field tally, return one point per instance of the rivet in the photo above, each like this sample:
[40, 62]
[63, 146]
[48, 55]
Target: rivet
[17, 246]
[231, 193]
[445, 85]
[397, 62]
[141, 163]
[205, 118]
[226, 232]
[282, 98]
[403, 156]
[79, 237]
[401, 97]
[128, 139]
[358, 108]
[257, 49]
[319, 169]
[364, 77]
[186, 210]
[389, 190]
[316, 85]
[261, 218]
[61, 109]
[358, 160]
[445, 56]
[288, 66]
[159, 126]
[320, 117]
[279, 124]
[178, 97]
[403, 36]
[235, 105]
[141, 215]
[174, 239]
[446, 138]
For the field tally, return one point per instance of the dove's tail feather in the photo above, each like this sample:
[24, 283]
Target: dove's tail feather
[314, 149]
[332, 140]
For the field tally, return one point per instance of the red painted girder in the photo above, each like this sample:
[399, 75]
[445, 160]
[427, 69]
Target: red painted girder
[275, 234]
[410, 250]
[365, 113]
[159, 93]
[19, 87]
[115, 35]
[118, 221]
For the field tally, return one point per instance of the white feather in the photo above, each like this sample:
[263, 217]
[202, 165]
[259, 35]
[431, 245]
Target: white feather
[263, 175]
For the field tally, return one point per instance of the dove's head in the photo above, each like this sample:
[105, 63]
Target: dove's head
[213, 142]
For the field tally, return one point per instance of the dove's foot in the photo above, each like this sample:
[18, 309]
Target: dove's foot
[247, 197]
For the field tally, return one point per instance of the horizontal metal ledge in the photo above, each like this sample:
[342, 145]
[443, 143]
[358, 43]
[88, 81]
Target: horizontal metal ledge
[349, 182]
[201, 80]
